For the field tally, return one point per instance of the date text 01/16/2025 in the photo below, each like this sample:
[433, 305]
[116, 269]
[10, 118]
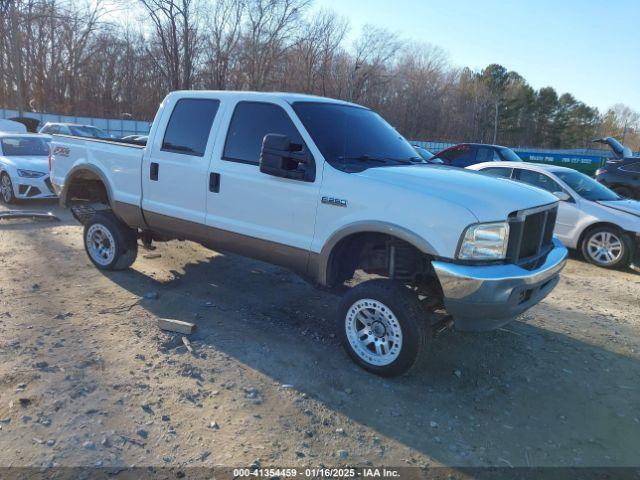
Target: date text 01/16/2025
[316, 472]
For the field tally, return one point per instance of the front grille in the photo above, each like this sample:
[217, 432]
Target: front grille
[33, 191]
[531, 235]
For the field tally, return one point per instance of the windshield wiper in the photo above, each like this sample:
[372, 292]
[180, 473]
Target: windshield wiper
[369, 158]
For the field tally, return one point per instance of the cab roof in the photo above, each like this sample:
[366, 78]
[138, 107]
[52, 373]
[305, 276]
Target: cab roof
[264, 96]
[26, 135]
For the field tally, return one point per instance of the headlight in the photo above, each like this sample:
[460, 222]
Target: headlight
[485, 241]
[30, 173]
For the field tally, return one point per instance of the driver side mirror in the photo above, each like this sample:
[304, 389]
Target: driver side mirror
[282, 158]
[562, 196]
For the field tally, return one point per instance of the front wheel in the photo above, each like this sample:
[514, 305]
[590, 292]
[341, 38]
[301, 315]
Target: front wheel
[383, 327]
[110, 244]
[6, 189]
[607, 247]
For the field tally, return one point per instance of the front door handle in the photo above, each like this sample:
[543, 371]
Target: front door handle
[153, 171]
[214, 182]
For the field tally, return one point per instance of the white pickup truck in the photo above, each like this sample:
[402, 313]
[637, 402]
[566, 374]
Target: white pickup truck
[327, 189]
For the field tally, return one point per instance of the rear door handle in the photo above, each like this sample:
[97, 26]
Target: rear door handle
[214, 182]
[153, 171]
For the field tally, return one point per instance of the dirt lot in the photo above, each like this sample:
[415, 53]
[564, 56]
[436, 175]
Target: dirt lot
[86, 377]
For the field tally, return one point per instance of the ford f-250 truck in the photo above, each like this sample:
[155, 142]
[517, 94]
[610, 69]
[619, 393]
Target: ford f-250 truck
[325, 188]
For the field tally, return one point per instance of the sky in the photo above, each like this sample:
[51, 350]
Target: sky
[588, 48]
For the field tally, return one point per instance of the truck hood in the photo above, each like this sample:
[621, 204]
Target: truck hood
[488, 198]
[627, 206]
[36, 163]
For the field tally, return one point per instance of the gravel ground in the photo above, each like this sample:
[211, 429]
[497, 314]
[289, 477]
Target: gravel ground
[86, 377]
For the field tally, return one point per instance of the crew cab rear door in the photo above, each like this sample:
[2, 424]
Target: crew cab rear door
[176, 163]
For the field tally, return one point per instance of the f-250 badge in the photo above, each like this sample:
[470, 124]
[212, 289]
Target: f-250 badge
[336, 202]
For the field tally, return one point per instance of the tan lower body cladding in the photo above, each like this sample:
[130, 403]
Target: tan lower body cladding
[302, 262]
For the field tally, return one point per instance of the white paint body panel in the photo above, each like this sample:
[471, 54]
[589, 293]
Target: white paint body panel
[577, 215]
[12, 163]
[433, 203]
[9, 126]
[120, 165]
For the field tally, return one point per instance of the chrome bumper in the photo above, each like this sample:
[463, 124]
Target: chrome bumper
[486, 297]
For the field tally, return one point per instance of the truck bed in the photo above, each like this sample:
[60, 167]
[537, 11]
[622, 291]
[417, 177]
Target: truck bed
[119, 163]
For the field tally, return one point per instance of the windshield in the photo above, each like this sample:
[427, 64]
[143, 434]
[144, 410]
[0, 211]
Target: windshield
[587, 187]
[25, 147]
[353, 138]
[85, 131]
[509, 155]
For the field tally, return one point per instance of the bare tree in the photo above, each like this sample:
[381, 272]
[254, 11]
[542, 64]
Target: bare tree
[63, 56]
[315, 49]
[375, 52]
[270, 25]
[223, 32]
[176, 33]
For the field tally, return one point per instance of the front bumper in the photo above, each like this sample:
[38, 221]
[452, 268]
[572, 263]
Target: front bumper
[27, 188]
[486, 297]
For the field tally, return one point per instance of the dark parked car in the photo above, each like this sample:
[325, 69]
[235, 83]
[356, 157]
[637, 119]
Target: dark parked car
[622, 176]
[32, 124]
[466, 154]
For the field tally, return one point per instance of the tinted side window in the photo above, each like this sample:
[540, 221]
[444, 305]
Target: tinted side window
[484, 154]
[251, 121]
[539, 180]
[497, 172]
[189, 126]
[461, 156]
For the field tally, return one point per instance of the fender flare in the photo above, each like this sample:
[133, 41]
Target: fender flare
[374, 226]
[79, 169]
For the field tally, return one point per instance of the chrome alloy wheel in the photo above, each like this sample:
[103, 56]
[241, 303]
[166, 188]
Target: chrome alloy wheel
[605, 248]
[6, 188]
[101, 244]
[373, 332]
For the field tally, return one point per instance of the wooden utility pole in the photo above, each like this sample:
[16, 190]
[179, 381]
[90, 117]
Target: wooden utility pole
[495, 125]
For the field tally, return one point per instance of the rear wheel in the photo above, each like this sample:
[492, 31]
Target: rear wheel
[110, 244]
[607, 247]
[6, 189]
[383, 327]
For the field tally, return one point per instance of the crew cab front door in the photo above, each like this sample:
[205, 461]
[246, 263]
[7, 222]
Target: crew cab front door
[257, 214]
[176, 164]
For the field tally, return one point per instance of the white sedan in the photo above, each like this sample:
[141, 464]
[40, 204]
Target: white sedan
[591, 218]
[24, 167]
